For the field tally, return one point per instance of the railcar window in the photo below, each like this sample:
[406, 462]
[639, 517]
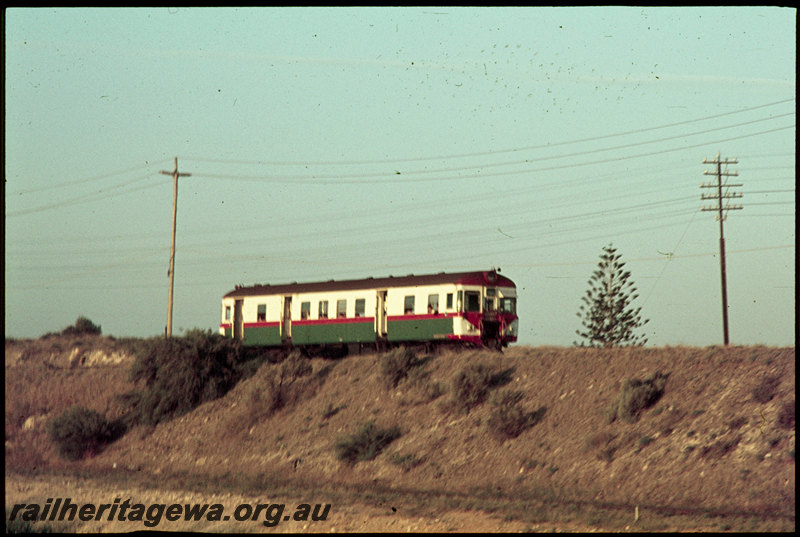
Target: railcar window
[227, 313]
[473, 299]
[341, 308]
[262, 312]
[360, 307]
[433, 303]
[449, 301]
[305, 310]
[508, 305]
[409, 305]
[323, 309]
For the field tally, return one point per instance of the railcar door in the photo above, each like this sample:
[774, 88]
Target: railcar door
[286, 320]
[238, 323]
[380, 316]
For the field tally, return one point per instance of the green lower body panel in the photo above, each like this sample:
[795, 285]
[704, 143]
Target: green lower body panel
[332, 332]
[262, 335]
[419, 328]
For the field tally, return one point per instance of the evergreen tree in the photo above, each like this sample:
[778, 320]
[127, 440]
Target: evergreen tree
[609, 319]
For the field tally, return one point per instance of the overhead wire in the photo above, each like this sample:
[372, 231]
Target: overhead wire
[392, 178]
[501, 151]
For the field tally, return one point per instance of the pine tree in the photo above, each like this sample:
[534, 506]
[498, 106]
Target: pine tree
[609, 319]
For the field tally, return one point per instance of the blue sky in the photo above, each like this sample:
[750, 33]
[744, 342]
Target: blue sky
[352, 142]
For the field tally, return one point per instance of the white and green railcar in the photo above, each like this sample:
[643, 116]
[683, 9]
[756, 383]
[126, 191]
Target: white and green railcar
[475, 308]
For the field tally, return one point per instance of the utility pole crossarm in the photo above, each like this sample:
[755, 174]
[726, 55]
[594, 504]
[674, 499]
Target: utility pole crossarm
[171, 273]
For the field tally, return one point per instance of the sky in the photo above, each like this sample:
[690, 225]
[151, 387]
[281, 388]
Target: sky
[343, 143]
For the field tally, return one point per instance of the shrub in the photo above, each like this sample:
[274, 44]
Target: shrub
[737, 423]
[278, 387]
[405, 462]
[80, 431]
[766, 389]
[601, 444]
[720, 447]
[473, 382]
[82, 326]
[645, 441]
[366, 443]
[635, 396]
[508, 419]
[397, 364]
[786, 415]
[181, 373]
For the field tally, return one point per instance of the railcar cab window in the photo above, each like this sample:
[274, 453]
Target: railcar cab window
[409, 305]
[360, 307]
[433, 304]
[449, 301]
[508, 305]
[305, 310]
[489, 301]
[341, 308]
[473, 301]
[227, 313]
[323, 309]
[261, 316]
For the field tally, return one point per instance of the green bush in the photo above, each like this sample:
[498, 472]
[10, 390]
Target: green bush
[179, 374]
[79, 432]
[636, 396]
[366, 443]
[82, 326]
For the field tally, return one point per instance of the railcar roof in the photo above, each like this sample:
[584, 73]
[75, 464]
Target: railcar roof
[489, 277]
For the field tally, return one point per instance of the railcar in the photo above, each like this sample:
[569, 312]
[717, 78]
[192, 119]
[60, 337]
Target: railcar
[469, 308]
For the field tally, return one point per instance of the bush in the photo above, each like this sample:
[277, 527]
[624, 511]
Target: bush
[766, 389]
[406, 462]
[636, 396]
[508, 419]
[473, 382]
[278, 386]
[397, 364]
[181, 373]
[366, 444]
[602, 445]
[786, 415]
[720, 448]
[79, 432]
[82, 326]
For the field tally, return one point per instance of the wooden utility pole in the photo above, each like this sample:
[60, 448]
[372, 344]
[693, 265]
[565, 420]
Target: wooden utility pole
[171, 273]
[719, 208]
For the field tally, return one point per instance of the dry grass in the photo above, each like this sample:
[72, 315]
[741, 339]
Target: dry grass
[694, 459]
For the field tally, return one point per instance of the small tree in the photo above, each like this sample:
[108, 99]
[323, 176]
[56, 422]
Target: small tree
[609, 319]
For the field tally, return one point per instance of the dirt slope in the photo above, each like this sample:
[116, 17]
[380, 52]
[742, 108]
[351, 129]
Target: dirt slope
[707, 455]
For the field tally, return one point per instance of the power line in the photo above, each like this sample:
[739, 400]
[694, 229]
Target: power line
[361, 179]
[86, 198]
[82, 181]
[495, 152]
